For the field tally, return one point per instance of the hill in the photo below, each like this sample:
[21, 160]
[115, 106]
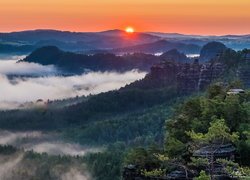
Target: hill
[77, 41]
[211, 50]
[77, 63]
[160, 46]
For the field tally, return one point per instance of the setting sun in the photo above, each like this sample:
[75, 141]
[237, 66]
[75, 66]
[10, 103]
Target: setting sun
[129, 30]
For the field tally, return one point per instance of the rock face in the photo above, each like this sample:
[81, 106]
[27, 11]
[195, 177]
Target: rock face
[187, 77]
[244, 70]
[211, 50]
[174, 56]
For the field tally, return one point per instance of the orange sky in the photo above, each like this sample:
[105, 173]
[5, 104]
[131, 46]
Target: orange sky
[183, 16]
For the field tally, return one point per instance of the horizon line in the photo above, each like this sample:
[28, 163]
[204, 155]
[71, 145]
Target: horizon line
[100, 31]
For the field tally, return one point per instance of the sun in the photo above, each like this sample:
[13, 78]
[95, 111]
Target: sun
[129, 30]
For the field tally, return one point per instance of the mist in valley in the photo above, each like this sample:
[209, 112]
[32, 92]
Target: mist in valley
[30, 82]
[41, 142]
[22, 83]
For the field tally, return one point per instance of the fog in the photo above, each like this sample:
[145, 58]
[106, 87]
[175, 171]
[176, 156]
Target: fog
[74, 174]
[48, 85]
[7, 166]
[16, 167]
[10, 67]
[27, 82]
[41, 142]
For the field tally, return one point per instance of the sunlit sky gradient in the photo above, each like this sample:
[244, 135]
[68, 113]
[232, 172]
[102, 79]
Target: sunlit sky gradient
[182, 16]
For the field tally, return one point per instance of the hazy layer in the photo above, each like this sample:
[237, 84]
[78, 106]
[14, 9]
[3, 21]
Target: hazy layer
[43, 142]
[17, 90]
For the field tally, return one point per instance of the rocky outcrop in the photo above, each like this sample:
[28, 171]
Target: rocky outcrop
[244, 69]
[211, 50]
[174, 56]
[186, 77]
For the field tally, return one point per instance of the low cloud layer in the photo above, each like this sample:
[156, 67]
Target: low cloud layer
[20, 90]
[60, 148]
[47, 85]
[74, 174]
[9, 165]
[43, 143]
[9, 66]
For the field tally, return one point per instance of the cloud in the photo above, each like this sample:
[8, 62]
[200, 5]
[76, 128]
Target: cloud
[40, 142]
[19, 90]
[17, 167]
[74, 174]
[7, 166]
[23, 83]
[7, 137]
[61, 148]
[10, 67]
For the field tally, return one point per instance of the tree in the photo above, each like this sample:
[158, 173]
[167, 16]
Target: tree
[202, 176]
[174, 147]
[218, 133]
[215, 90]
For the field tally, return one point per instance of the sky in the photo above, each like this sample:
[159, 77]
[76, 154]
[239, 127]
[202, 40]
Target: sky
[210, 17]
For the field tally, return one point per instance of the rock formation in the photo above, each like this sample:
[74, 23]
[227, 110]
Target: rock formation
[211, 50]
[187, 77]
[174, 56]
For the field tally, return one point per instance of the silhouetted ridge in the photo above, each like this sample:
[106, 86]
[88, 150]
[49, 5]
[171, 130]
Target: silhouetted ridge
[161, 46]
[211, 50]
[46, 55]
[174, 55]
[78, 63]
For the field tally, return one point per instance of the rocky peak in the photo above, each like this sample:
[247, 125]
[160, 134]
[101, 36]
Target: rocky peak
[211, 50]
[187, 77]
[174, 56]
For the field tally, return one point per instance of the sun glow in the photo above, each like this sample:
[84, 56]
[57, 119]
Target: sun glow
[130, 30]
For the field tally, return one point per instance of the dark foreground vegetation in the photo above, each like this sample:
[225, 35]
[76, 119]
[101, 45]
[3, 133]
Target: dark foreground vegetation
[206, 135]
[117, 120]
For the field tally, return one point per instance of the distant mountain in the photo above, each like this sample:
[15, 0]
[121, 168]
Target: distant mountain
[8, 48]
[236, 42]
[114, 41]
[211, 50]
[160, 46]
[78, 63]
[113, 32]
[174, 56]
[78, 41]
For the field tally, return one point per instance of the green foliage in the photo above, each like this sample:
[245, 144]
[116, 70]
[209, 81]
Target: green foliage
[228, 116]
[174, 147]
[234, 169]
[141, 127]
[154, 173]
[134, 117]
[106, 165]
[218, 132]
[31, 165]
[7, 149]
[202, 176]
[199, 162]
[215, 90]
[143, 158]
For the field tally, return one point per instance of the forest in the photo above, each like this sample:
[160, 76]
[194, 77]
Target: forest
[211, 120]
[148, 127]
